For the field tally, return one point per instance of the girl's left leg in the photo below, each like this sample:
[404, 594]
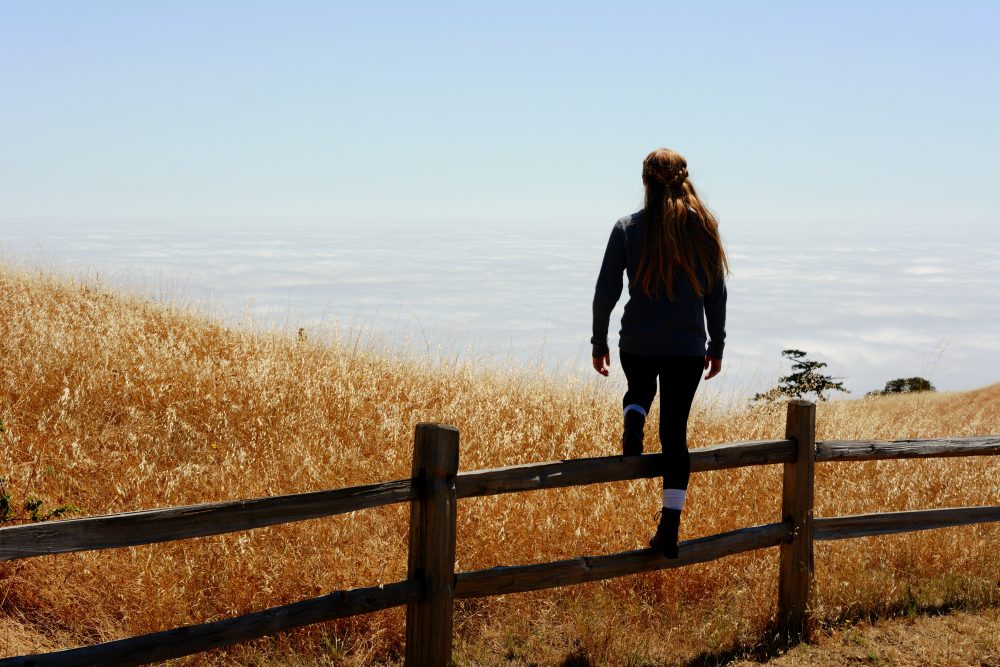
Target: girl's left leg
[679, 378]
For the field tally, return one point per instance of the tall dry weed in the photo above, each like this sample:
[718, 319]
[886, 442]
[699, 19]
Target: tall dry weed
[113, 403]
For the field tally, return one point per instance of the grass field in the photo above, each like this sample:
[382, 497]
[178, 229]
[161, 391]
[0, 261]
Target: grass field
[112, 402]
[955, 639]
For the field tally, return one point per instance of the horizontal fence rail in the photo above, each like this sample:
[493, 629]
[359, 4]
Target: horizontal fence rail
[576, 472]
[890, 523]
[190, 639]
[130, 529]
[873, 450]
[433, 489]
[522, 578]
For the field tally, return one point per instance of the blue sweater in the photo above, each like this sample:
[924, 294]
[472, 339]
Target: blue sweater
[658, 325]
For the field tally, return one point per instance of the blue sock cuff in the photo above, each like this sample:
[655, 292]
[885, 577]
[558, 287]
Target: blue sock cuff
[673, 499]
[635, 406]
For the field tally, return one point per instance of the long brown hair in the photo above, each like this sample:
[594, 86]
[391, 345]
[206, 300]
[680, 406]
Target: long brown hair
[679, 231]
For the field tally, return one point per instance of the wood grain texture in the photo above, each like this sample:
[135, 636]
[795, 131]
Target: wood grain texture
[192, 639]
[174, 523]
[576, 472]
[795, 582]
[431, 558]
[871, 450]
[521, 578]
[889, 523]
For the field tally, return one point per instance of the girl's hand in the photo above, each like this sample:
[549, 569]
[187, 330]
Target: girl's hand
[713, 366]
[602, 364]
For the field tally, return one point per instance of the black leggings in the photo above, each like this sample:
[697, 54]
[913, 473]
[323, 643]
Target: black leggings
[679, 376]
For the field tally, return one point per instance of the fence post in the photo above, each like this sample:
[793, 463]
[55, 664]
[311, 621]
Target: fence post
[796, 577]
[432, 546]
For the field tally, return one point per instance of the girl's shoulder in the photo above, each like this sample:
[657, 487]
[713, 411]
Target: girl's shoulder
[630, 221]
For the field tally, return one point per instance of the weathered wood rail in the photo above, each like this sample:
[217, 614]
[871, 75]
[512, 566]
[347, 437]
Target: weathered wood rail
[433, 490]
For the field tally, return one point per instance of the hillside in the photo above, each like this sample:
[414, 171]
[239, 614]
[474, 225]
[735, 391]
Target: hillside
[114, 403]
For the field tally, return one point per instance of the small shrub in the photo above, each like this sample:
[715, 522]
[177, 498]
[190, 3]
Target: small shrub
[804, 379]
[32, 508]
[5, 513]
[904, 386]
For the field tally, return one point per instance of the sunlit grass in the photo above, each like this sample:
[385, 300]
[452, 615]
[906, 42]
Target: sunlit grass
[115, 403]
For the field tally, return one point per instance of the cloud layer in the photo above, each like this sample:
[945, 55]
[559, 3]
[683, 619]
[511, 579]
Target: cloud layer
[874, 306]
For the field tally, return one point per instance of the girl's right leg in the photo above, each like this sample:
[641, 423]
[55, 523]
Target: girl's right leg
[640, 371]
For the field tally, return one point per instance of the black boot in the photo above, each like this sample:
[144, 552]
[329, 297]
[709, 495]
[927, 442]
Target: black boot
[635, 421]
[665, 540]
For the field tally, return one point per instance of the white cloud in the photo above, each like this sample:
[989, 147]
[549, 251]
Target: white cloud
[873, 312]
[896, 336]
[925, 270]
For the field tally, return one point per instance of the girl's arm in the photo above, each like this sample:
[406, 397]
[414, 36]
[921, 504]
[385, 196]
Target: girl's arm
[608, 290]
[715, 315]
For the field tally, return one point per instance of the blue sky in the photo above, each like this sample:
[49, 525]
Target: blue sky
[838, 113]
[848, 148]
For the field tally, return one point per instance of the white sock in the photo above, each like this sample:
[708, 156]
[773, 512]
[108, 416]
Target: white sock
[673, 499]
[635, 406]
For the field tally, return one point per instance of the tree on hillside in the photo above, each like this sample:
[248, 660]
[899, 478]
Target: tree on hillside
[904, 386]
[804, 379]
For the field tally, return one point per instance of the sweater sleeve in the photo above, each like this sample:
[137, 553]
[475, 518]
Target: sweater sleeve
[715, 315]
[609, 289]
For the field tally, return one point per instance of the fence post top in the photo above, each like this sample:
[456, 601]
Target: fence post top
[446, 427]
[801, 403]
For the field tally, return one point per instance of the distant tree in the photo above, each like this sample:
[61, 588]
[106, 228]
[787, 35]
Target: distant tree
[904, 386]
[804, 379]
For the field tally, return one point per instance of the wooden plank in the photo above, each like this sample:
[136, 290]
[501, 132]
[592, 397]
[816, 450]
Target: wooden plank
[797, 566]
[431, 559]
[521, 578]
[197, 638]
[575, 472]
[889, 523]
[870, 450]
[741, 454]
[174, 523]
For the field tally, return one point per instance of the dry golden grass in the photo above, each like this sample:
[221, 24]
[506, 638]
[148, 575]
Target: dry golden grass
[115, 403]
[958, 639]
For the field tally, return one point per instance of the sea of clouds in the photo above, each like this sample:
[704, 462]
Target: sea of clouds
[873, 304]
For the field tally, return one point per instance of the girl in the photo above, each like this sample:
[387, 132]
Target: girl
[676, 267]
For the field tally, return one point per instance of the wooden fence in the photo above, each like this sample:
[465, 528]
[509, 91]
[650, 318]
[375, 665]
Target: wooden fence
[436, 485]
